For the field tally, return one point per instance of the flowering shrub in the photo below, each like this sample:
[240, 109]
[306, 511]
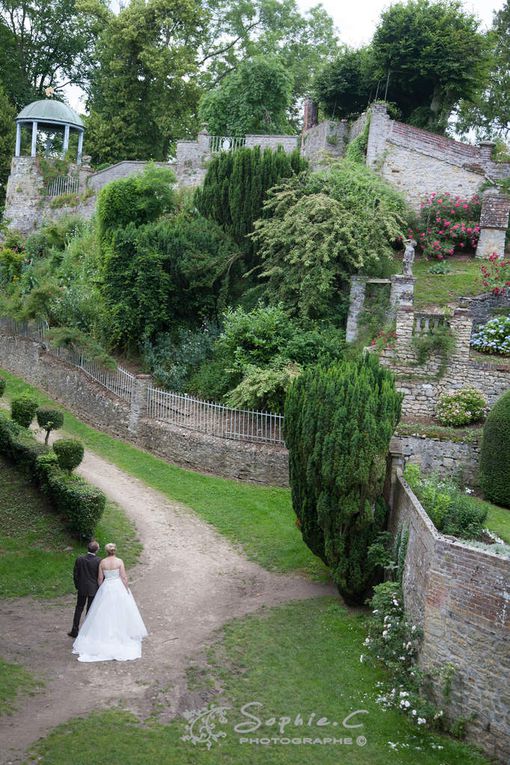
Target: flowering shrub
[493, 337]
[461, 407]
[395, 642]
[384, 339]
[496, 273]
[447, 223]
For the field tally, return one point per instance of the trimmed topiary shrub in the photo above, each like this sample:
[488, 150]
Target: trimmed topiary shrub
[69, 453]
[49, 419]
[495, 453]
[2, 386]
[338, 425]
[80, 504]
[23, 410]
[463, 407]
[18, 444]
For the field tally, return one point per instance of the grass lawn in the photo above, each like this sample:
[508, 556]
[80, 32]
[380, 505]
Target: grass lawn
[14, 681]
[297, 659]
[441, 289]
[37, 553]
[498, 518]
[260, 518]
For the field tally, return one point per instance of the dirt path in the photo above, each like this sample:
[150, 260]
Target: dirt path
[190, 581]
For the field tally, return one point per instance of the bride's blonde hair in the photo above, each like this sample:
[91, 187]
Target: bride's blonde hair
[111, 548]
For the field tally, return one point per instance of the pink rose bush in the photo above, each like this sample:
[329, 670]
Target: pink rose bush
[447, 224]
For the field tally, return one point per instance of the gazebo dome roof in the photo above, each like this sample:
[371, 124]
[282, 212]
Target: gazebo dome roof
[50, 111]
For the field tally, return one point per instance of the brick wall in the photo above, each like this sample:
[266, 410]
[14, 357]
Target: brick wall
[460, 597]
[262, 463]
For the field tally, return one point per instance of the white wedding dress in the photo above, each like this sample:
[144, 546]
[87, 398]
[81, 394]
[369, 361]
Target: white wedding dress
[113, 628]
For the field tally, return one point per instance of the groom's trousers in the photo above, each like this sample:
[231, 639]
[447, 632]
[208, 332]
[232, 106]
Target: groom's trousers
[81, 600]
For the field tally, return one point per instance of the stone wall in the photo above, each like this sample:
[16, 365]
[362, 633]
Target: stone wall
[262, 463]
[324, 141]
[459, 596]
[484, 307]
[446, 458]
[422, 385]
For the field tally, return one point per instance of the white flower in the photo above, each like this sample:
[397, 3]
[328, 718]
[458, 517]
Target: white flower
[403, 694]
[385, 633]
[366, 641]
[361, 658]
[438, 714]
[406, 704]
[392, 745]
[395, 602]
[421, 721]
[468, 490]
[414, 713]
[413, 628]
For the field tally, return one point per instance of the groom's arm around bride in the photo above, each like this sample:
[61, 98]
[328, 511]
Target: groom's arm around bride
[85, 581]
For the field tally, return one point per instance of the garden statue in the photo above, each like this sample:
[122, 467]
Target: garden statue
[409, 257]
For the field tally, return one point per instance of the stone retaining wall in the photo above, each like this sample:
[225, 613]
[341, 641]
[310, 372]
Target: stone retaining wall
[460, 597]
[447, 458]
[262, 463]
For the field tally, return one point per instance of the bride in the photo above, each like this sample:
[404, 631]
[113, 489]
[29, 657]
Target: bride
[113, 628]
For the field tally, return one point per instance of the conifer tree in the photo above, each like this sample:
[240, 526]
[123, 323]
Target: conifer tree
[338, 425]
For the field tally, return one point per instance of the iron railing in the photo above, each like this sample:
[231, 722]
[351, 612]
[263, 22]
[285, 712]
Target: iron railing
[176, 408]
[64, 184]
[225, 143]
[214, 419]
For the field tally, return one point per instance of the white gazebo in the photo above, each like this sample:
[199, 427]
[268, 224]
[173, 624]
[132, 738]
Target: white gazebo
[49, 113]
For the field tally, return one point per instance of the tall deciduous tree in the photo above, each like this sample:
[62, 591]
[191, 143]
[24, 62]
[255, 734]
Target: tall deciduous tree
[344, 87]
[338, 425]
[7, 133]
[489, 115]
[143, 96]
[50, 43]
[256, 98]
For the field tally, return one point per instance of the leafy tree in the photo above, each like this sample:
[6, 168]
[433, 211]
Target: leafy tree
[143, 94]
[320, 228]
[23, 410]
[236, 185]
[489, 114]
[427, 57]
[253, 99]
[338, 425]
[49, 44]
[69, 453]
[343, 88]
[238, 31]
[164, 274]
[495, 453]
[7, 138]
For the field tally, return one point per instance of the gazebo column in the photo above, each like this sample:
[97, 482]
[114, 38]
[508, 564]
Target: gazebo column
[17, 151]
[66, 141]
[80, 145]
[34, 139]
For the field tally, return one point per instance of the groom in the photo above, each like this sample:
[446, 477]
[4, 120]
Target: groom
[85, 581]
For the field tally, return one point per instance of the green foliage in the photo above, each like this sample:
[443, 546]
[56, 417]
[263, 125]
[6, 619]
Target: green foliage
[354, 217]
[158, 276]
[80, 504]
[173, 358]
[236, 186]
[440, 340]
[255, 98]
[338, 425]
[52, 168]
[69, 453]
[462, 407]
[23, 410]
[264, 388]
[357, 149]
[2, 386]
[143, 92]
[7, 131]
[451, 511]
[343, 86]
[49, 419]
[142, 198]
[495, 453]
[54, 236]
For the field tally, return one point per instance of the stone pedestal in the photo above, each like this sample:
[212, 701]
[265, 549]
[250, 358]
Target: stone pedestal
[138, 401]
[402, 292]
[493, 223]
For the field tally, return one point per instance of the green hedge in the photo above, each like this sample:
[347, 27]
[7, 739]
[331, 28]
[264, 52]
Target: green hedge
[495, 453]
[80, 504]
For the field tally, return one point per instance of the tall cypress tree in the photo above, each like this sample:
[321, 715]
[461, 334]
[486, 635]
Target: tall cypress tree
[338, 425]
[235, 188]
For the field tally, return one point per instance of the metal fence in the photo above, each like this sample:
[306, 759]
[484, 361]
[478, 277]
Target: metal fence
[64, 184]
[225, 143]
[214, 419]
[176, 408]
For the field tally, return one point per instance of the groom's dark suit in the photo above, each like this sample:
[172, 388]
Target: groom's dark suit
[85, 581]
